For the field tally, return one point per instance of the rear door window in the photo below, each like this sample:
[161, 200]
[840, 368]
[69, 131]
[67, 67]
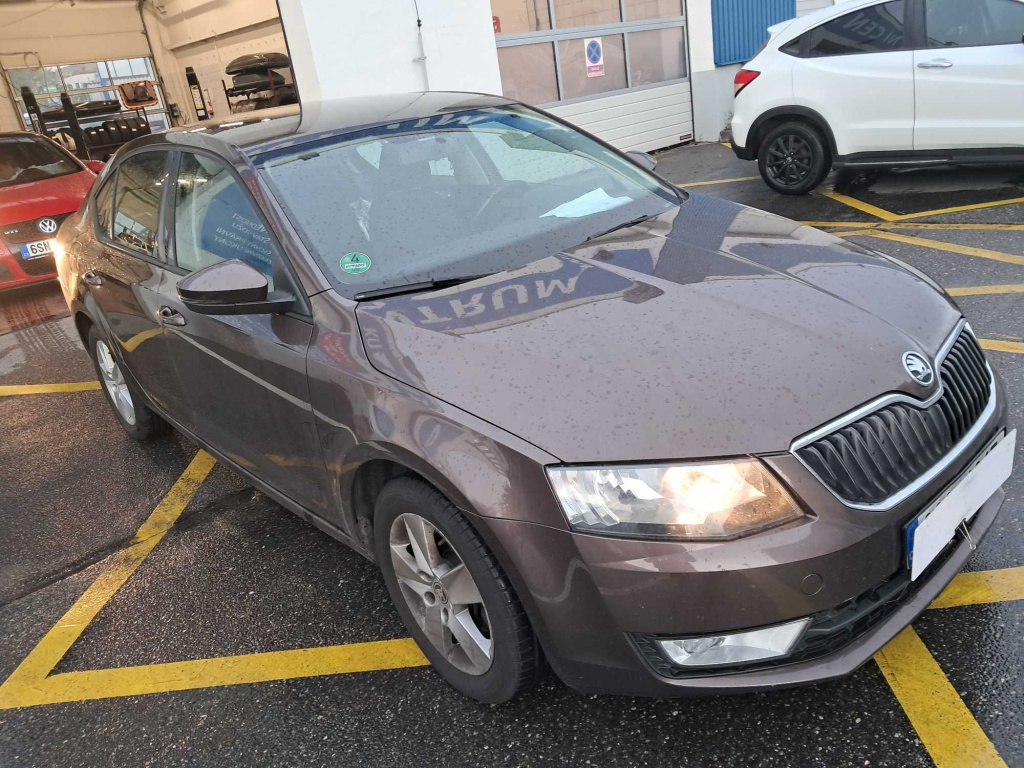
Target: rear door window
[968, 23]
[140, 180]
[214, 218]
[874, 29]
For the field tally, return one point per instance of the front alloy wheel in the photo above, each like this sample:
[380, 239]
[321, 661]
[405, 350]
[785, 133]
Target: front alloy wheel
[441, 594]
[451, 592]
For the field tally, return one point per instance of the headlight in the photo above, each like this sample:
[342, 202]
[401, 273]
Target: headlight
[716, 500]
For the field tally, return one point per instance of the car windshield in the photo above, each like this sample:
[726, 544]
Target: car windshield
[468, 193]
[27, 158]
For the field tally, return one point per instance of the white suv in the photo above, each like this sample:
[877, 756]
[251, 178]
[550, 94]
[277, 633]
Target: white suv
[895, 83]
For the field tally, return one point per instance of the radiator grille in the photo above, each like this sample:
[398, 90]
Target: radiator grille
[871, 459]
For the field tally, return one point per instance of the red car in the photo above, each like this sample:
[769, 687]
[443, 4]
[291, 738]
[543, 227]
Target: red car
[41, 184]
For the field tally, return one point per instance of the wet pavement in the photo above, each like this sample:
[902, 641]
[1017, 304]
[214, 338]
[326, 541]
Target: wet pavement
[237, 575]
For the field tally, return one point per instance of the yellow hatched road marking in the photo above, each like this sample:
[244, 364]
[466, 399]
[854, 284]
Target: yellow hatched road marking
[996, 345]
[717, 181]
[946, 727]
[11, 390]
[889, 216]
[986, 290]
[964, 250]
[980, 587]
[915, 225]
[860, 205]
[961, 208]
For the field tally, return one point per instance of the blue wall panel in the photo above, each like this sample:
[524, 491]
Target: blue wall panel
[741, 26]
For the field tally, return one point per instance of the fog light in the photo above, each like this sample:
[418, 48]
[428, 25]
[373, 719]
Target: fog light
[736, 647]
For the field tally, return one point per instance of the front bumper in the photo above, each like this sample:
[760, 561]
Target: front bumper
[591, 598]
[15, 272]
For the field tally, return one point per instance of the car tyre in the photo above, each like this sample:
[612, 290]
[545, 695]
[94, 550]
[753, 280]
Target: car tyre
[125, 400]
[436, 589]
[793, 158]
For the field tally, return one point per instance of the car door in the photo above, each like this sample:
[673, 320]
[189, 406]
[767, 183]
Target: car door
[245, 374]
[856, 70]
[128, 278]
[969, 80]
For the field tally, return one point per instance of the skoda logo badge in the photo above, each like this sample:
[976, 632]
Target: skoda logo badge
[47, 226]
[920, 370]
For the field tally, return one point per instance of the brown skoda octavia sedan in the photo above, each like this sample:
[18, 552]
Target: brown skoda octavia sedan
[665, 443]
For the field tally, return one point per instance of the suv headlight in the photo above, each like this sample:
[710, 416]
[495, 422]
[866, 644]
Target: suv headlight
[712, 500]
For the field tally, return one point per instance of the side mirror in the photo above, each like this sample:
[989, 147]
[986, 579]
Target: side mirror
[96, 166]
[643, 159]
[231, 288]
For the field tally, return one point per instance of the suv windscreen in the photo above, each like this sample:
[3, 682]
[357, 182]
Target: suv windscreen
[27, 158]
[874, 29]
[473, 192]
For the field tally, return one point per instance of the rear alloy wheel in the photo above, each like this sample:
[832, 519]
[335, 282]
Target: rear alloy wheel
[452, 594]
[128, 405]
[792, 159]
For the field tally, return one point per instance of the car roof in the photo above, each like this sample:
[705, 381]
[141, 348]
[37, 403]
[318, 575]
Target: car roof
[262, 130]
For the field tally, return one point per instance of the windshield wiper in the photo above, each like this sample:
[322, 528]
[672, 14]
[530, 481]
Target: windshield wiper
[426, 285]
[624, 225]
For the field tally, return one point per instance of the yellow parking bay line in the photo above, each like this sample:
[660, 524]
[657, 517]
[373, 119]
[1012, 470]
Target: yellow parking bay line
[10, 390]
[986, 290]
[717, 181]
[981, 587]
[996, 345]
[945, 725]
[228, 670]
[29, 681]
[860, 205]
[31, 684]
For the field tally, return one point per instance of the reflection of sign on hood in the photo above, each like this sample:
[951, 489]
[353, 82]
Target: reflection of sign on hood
[541, 288]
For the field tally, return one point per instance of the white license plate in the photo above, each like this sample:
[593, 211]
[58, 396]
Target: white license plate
[930, 532]
[37, 249]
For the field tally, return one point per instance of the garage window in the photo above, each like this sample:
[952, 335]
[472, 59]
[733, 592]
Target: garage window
[86, 81]
[552, 51]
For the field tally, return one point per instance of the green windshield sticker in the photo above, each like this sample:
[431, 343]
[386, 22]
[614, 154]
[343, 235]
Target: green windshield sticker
[355, 263]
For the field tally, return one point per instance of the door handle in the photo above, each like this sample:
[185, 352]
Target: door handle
[935, 64]
[91, 278]
[169, 316]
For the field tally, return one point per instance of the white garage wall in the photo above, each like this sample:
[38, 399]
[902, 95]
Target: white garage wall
[349, 48]
[35, 34]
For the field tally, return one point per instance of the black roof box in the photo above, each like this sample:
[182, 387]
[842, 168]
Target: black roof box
[257, 62]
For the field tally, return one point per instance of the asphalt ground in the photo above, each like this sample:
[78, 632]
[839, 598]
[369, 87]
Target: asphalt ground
[156, 611]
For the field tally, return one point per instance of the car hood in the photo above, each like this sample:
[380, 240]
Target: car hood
[711, 330]
[48, 197]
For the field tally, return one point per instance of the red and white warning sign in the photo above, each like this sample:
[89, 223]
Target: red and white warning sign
[595, 56]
